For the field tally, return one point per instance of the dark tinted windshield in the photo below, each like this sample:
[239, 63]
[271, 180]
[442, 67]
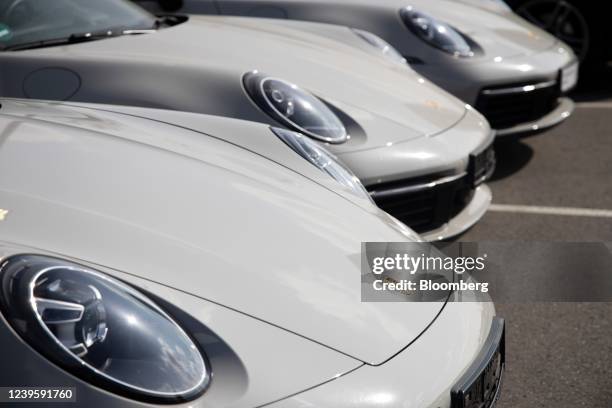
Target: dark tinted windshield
[26, 21]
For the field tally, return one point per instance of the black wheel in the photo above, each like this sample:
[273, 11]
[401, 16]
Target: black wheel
[561, 19]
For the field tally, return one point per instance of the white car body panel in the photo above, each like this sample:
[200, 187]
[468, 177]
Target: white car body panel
[133, 226]
[260, 254]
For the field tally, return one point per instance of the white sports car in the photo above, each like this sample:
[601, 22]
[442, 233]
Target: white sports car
[154, 257]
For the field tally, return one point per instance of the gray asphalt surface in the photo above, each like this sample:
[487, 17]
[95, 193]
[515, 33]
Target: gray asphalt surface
[558, 354]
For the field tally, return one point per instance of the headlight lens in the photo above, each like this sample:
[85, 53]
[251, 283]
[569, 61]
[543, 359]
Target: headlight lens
[295, 108]
[100, 329]
[436, 33]
[323, 160]
[384, 47]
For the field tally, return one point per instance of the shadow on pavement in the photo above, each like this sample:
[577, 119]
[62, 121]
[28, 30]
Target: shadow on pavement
[512, 156]
[595, 85]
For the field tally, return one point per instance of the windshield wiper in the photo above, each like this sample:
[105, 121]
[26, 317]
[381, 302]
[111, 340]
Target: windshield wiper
[71, 39]
[91, 35]
[76, 38]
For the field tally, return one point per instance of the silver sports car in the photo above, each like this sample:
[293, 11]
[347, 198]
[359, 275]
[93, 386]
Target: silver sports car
[214, 267]
[422, 153]
[512, 71]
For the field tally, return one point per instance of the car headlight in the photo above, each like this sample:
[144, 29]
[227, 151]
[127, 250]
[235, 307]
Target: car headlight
[381, 45]
[437, 33]
[100, 329]
[295, 108]
[323, 160]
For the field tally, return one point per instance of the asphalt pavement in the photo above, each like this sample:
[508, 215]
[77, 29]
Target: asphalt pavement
[545, 189]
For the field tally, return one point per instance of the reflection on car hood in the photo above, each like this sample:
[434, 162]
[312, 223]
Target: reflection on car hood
[200, 215]
[359, 82]
[490, 5]
[499, 34]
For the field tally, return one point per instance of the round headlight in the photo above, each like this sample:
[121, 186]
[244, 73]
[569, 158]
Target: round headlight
[437, 33]
[295, 108]
[323, 160]
[100, 329]
[387, 50]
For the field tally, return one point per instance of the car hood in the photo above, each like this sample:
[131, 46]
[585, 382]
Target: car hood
[200, 215]
[492, 5]
[363, 84]
[499, 34]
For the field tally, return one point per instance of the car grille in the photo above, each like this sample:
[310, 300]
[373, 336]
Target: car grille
[481, 383]
[511, 105]
[425, 205]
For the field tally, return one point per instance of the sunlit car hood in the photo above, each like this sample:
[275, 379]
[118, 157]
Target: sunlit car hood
[499, 34]
[490, 5]
[222, 49]
[230, 227]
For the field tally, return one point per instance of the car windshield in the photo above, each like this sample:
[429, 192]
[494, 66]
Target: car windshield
[30, 21]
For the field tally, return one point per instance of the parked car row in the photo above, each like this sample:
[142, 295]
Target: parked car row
[478, 50]
[173, 181]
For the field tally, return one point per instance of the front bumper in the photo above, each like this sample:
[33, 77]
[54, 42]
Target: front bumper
[481, 384]
[443, 207]
[437, 210]
[563, 110]
[465, 219]
[428, 183]
[423, 375]
[472, 81]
